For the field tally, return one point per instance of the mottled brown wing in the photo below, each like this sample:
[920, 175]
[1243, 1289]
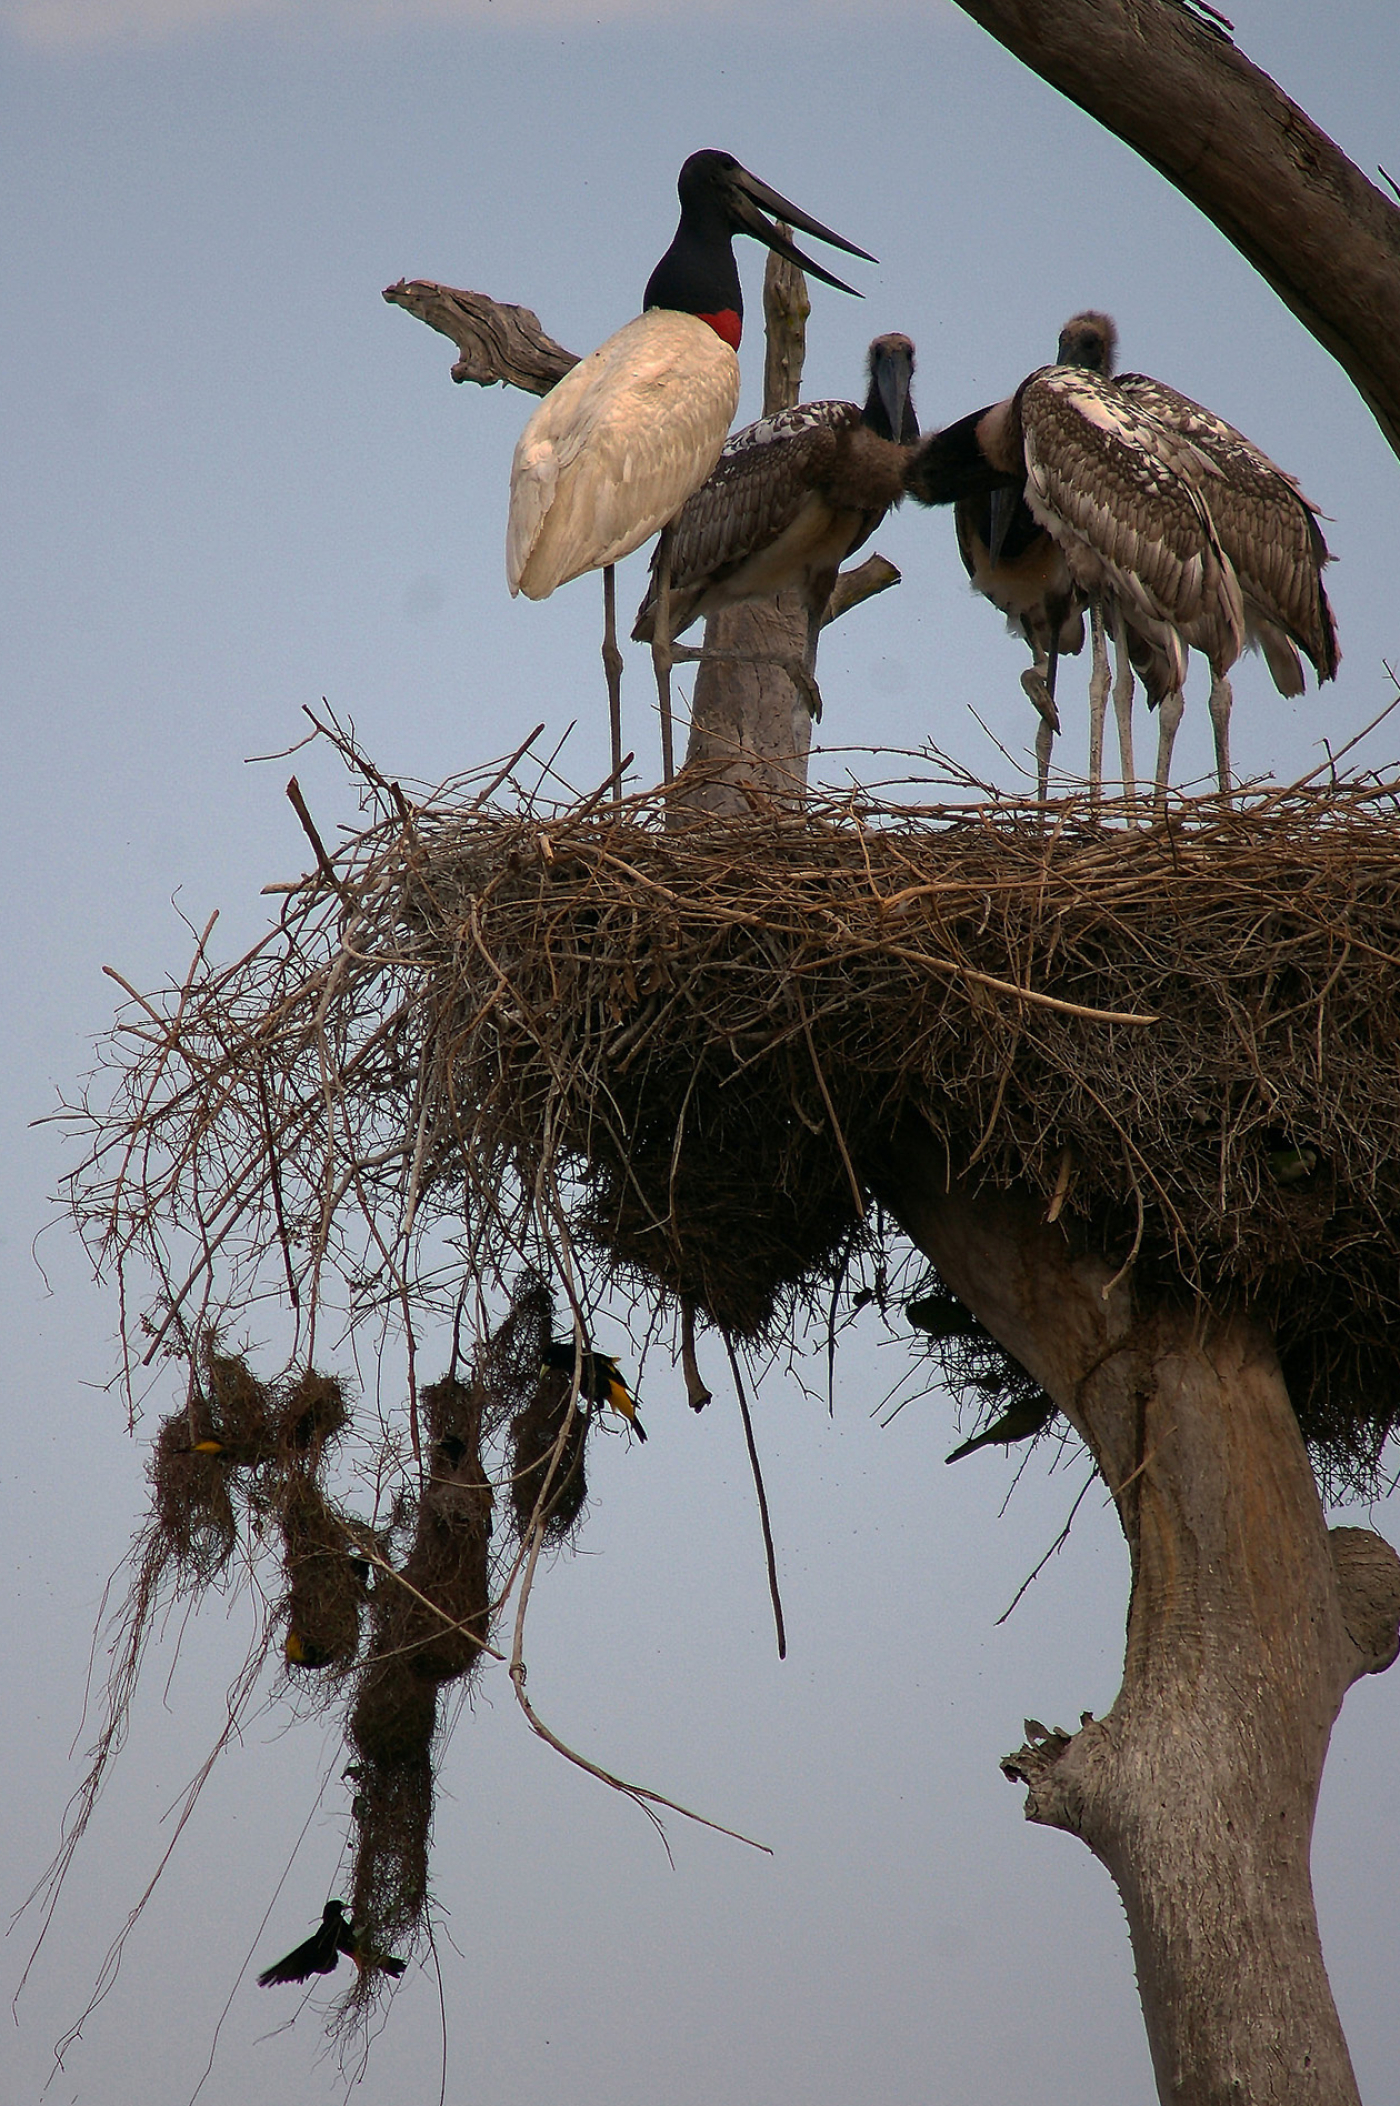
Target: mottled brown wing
[1103, 474]
[751, 497]
[1268, 528]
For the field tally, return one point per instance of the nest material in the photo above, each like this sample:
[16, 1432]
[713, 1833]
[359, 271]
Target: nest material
[193, 1524]
[694, 1044]
[436, 1621]
[325, 1590]
[393, 1811]
[548, 1448]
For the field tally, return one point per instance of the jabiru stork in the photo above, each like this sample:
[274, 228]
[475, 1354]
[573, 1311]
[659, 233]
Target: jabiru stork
[1267, 527]
[1009, 558]
[615, 449]
[789, 499]
[1124, 498]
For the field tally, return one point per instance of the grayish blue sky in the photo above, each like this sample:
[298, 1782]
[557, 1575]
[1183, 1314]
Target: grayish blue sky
[237, 481]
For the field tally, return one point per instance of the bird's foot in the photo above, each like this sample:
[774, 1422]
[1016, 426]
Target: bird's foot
[802, 680]
[1038, 694]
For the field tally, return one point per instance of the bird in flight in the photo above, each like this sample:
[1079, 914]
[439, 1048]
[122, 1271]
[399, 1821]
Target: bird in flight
[320, 1953]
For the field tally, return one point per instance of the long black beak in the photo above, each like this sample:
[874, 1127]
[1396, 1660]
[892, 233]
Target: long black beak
[747, 193]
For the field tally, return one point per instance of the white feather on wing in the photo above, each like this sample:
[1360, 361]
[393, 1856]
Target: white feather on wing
[614, 450]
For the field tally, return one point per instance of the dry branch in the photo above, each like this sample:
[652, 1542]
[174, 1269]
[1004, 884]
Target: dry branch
[498, 343]
[1217, 127]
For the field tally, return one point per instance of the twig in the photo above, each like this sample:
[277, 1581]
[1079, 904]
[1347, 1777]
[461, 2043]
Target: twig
[762, 1498]
[327, 868]
[1059, 1543]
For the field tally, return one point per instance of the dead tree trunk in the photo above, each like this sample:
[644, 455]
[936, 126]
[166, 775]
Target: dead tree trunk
[1247, 1626]
[1175, 88]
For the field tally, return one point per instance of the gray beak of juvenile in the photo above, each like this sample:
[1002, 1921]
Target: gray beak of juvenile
[893, 376]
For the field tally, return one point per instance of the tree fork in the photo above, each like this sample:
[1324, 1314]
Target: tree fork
[1247, 1624]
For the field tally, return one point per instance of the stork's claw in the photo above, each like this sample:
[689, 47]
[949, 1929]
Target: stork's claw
[1038, 690]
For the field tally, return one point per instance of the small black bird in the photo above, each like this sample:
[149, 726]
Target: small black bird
[1021, 1421]
[320, 1953]
[600, 1379]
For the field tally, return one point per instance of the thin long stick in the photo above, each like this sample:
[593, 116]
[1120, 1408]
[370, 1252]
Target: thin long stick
[762, 1498]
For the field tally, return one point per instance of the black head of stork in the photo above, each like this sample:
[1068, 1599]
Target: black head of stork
[719, 199]
[889, 400]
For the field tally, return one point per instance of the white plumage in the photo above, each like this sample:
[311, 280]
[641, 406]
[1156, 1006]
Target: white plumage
[616, 448]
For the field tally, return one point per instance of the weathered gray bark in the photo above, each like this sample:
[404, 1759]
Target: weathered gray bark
[497, 343]
[1247, 1626]
[1177, 91]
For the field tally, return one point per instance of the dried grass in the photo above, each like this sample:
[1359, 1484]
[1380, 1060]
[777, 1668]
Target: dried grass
[671, 1057]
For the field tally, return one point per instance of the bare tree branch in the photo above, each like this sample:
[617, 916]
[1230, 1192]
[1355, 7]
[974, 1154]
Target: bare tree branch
[498, 342]
[1175, 89]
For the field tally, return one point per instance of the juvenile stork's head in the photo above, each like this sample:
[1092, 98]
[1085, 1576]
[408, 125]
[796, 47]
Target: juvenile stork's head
[1090, 340]
[889, 407]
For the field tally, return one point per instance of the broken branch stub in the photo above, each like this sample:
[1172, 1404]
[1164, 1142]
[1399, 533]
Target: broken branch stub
[498, 343]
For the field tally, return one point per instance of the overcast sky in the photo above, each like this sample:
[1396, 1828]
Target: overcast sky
[238, 482]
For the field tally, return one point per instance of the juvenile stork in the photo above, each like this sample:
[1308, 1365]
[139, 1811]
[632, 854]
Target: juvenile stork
[1009, 558]
[1267, 527]
[790, 498]
[1124, 499]
[615, 449]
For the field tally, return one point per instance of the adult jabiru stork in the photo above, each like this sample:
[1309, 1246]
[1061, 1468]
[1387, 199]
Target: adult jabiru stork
[1267, 527]
[615, 449]
[1124, 498]
[789, 499]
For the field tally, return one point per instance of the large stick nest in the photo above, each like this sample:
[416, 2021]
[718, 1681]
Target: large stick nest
[681, 1052]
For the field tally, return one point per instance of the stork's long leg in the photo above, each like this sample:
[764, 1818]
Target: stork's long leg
[1168, 718]
[612, 667]
[1123, 702]
[661, 651]
[1220, 700]
[1098, 698]
[1039, 684]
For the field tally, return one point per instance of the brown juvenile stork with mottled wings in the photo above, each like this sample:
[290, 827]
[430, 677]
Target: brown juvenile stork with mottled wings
[1124, 499]
[1267, 527]
[792, 497]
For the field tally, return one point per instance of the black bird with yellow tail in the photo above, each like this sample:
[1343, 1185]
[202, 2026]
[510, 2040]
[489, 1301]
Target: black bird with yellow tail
[600, 1379]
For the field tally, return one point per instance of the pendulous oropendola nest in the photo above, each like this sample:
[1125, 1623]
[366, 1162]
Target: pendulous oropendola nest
[629, 1049]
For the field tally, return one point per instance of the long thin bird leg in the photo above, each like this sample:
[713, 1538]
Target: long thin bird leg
[1123, 703]
[1220, 700]
[612, 667]
[1168, 718]
[1098, 699]
[661, 658]
[1038, 682]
